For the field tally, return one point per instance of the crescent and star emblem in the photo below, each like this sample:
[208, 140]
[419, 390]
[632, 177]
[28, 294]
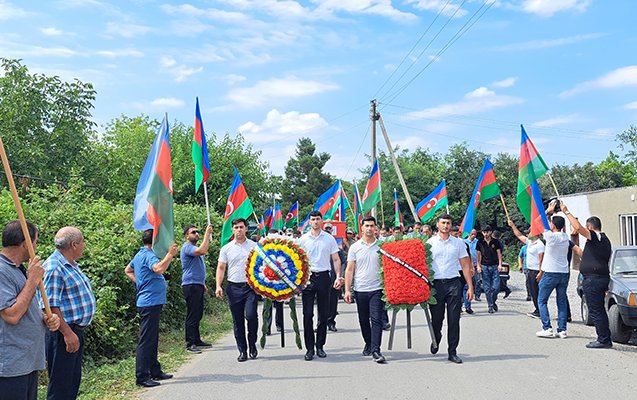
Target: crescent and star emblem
[229, 208]
[431, 203]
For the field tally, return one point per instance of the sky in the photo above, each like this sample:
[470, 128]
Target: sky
[443, 71]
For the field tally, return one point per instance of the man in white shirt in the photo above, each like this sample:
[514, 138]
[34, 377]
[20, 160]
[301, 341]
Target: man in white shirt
[534, 257]
[241, 298]
[362, 268]
[320, 247]
[553, 275]
[449, 254]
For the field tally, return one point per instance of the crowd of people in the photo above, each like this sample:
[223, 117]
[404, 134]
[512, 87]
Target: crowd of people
[349, 268]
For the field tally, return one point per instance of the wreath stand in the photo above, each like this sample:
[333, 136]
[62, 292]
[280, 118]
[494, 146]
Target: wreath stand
[390, 344]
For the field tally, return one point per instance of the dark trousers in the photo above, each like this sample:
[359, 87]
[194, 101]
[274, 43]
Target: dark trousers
[23, 387]
[194, 295]
[146, 363]
[370, 308]
[243, 307]
[334, 295]
[528, 285]
[319, 288]
[534, 287]
[277, 310]
[595, 287]
[448, 296]
[64, 368]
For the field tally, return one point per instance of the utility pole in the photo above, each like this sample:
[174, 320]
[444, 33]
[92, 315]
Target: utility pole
[373, 115]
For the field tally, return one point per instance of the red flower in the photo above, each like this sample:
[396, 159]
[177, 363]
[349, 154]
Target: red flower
[401, 285]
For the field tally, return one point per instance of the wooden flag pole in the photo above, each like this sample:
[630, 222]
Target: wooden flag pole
[505, 207]
[23, 221]
[553, 182]
[205, 193]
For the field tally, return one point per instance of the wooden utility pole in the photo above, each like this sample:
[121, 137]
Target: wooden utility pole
[373, 115]
[398, 173]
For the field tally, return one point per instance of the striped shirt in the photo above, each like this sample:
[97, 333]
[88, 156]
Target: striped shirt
[68, 289]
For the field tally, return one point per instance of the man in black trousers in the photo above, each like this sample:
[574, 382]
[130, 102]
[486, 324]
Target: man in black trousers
[320, 247]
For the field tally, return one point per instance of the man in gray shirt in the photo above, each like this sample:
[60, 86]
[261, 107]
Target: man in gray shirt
[21, 321]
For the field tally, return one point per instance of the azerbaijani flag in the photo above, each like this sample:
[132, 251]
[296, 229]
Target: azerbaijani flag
[359, 209]
[343, 205]
[237, 206]
[200, 151]
[529, 198]
[292, 217]
[268, 219]
[329, 202]
[437, 199]
[278, 217]
[486, 188]
[304, 226]
[398, 216]
[371, 196]
[153, 206]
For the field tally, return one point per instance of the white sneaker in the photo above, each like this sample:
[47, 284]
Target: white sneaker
[561, 335]
[546, 333]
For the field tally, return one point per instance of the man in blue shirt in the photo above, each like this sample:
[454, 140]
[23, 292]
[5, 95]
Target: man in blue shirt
[146, 271]
[193, 284]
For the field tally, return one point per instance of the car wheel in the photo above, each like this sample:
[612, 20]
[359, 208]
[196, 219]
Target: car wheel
[586, 317]
[619, 332]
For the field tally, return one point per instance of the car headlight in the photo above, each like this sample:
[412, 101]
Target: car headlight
[632, 301]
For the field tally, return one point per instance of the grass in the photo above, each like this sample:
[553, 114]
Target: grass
[117, 380]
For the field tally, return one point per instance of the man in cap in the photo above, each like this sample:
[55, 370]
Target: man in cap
[489, 263]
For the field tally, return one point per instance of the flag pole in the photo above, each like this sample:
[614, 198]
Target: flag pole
[447, 206]
[505, 207]
[23, 222]
[382, 209]
[553, 182]
[205, 194]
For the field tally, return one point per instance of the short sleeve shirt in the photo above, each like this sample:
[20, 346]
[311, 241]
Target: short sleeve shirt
[446, 256]
[319, 250]
[365, 256]
[21, 345]
[489, 251]
[533, 251]
[151, 287]
[522, 255]
[556, 252]
[235, 256]
[192, 266]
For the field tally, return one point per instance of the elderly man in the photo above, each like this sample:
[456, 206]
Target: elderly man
[21, 321]
[71, 298]
[147, 273]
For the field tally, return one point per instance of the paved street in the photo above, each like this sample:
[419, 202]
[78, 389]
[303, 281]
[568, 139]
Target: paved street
[502, 359]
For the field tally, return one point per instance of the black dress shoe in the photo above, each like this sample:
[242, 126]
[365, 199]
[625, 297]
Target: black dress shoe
[321, 353]
[387, 326]
[243, 356]
[253, 352]
[495, 307]
[278, 328]
[379, 358]
[162, 377]
[332, 328]
[433, 348]
[309, 355]
[455, 359]
[597, 345]
[491, 310]
[469, 311]
[148, 383]
[203, 344]
[507, 294]
[367, 351]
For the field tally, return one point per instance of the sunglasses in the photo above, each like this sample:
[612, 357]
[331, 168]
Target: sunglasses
[194, 232]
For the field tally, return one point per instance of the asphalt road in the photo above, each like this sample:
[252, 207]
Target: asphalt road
[502, 359]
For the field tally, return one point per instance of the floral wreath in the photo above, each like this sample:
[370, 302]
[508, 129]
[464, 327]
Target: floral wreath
[278, 269]
[403, 289]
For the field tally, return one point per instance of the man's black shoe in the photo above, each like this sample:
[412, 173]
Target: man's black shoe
[367, 351]
[378, 357]
[507, 294]
[332, 328]
[162, 377]
[477, 298]
[569, 319]
[491, 310]
[469, 311]
[597, 345]
[148, 383]
[321, 353]
[387, 326]
[433, 348]
[193, 349]
[309, 355]
[243, 356]
[203, 344]
[278, 328]
[528, 298]
[495, 307]
[253, 352]
[455, 359]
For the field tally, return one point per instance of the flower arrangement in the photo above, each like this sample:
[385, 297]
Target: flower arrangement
[403, 288]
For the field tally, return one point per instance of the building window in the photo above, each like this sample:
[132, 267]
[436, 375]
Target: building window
[628, 230]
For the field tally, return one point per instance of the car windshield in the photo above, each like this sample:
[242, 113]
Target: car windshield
[625, 261]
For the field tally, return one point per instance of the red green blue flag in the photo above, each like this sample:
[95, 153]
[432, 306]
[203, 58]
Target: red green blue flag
[200, 151]
[278, 217]
[292, 217]
[437, 199]
[398, 216]
[153, 206]
[486, 188]
[328, 203]
[371, 196]
[343, 205]
[529, 198]
[359, 209]
[237, 206]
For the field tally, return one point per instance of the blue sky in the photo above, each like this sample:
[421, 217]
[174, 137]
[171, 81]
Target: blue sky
[281, 70]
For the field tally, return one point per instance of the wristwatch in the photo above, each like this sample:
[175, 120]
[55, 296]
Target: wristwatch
[567, 213]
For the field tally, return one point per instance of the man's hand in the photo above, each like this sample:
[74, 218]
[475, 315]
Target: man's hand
[52, 322]
[72, 342]
[479, 269]
[205, 289]
[470, 294]
[338, 283]
[539, 276]
[347, 297]
[219, 293]
[563, 207]
[35, 269]
[209, 231]
[173, 250]
[510, 223]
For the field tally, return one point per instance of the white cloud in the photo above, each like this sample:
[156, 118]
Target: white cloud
[479, 100]
[548, 43]
[505, 83]
[281, 127]
[233, 79]
[376, 7]
[411, 142]
[210, 13]
[120, 53]
[51, 31]
[631, 106]
[289, 87]
[9, 11]
[446, 8]
[559, 120]
[547, 8]
[51, 51]
[180, 72]
[167, 102]
[127, 30]
[620, 77]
